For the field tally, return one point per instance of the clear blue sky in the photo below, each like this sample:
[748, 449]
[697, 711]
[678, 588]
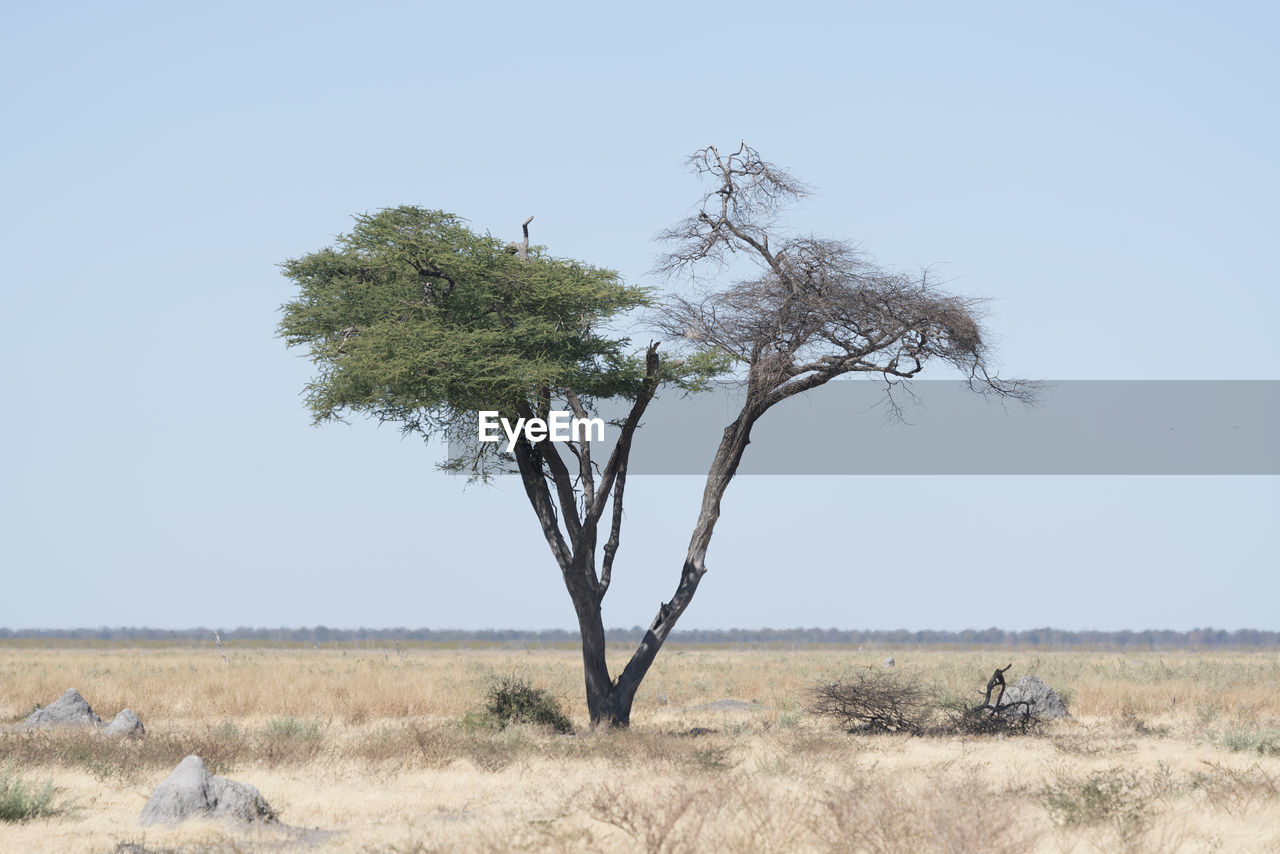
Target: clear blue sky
[1107, 174]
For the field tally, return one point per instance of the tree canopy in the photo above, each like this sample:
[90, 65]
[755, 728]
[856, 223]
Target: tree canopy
[415, 319]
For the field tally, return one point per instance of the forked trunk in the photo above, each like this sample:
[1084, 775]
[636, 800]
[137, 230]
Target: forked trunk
[610, 708]
[606, 704]
[609, 701]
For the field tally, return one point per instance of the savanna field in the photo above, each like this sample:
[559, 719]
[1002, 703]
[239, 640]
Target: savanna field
[376, 749]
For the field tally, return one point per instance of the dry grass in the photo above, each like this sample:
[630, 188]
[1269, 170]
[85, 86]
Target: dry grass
[1167, 752]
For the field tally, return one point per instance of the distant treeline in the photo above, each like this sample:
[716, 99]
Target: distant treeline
[1044, 638]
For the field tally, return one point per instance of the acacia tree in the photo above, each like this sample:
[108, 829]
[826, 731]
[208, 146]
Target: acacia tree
[414, 319]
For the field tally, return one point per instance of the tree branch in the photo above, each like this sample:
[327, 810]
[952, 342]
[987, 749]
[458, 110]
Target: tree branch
[622, 450]
[585, 474]
[535, 486]
[560, 477]
[615, 529]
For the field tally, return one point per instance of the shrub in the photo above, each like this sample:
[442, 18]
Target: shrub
[1235, 790]
[20, 801]
[510, 699]
[965, 720]
[1114, 796]
[876, 701]
[291, 728]
[1264, 742]
[873, 701]
[289, 740]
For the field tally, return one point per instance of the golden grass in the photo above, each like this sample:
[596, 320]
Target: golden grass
[372, 745]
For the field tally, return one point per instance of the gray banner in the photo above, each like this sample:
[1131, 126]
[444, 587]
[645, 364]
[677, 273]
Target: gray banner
[1117, 427]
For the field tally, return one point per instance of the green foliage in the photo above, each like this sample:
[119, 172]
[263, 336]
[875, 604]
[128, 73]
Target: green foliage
[289, 740]
[512, 700]
[415, 319]
[1264, 742]
[292, 728]
[20, 801]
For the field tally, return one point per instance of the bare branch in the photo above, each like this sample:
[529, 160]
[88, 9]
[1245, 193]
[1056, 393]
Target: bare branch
[622, 450]
[819, 308]
[611, 546]
[742, 201]
[585, 473]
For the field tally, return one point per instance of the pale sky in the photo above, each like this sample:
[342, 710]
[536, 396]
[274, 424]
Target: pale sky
[1106, 174]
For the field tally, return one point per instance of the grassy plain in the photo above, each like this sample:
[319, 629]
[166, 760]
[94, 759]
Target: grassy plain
[1166, 751]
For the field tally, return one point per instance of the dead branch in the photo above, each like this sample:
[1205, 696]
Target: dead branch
[819, 308]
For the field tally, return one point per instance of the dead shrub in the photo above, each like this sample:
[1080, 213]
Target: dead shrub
[1235, 790]
[872, 701]
[959, 719]
[877, 814]
[871, 815]
[663, 819]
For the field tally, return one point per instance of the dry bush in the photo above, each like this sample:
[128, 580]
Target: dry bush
[969, 815]
[878, 814]
[662, 819]
[1119, 798]
[436, 746]
[1235, 791]
[751, 816]
[959, 719]
[873, 701]
[870, 815]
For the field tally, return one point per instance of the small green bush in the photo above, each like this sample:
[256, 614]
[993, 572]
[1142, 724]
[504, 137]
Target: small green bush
[289, 740]
[512, 700]
[20, 801]
[291, 727]
[1264, 742]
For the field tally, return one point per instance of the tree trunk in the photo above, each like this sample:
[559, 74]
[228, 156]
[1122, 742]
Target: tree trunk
[611, 708]
[602, 705]
[614, 705]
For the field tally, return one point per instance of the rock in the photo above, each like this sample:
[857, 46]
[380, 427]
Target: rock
[192, 791]
[73, 710]
[126, 724]
[1046, 704]
[661, 699]
[888, 662]
[68, 710]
